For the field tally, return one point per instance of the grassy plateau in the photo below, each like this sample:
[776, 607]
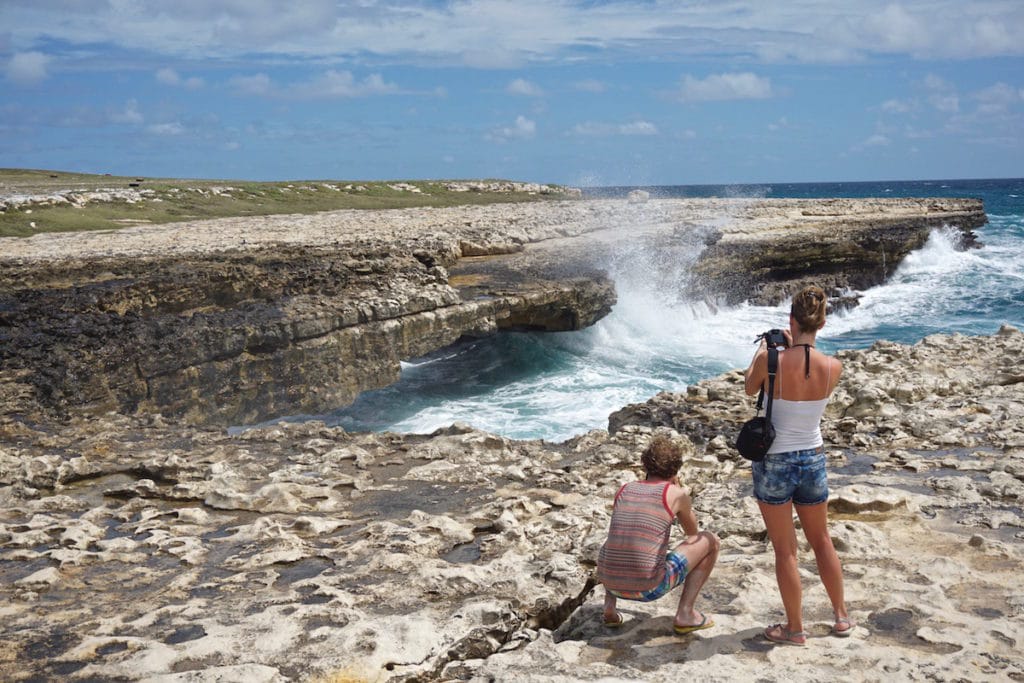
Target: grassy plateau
[37, 201]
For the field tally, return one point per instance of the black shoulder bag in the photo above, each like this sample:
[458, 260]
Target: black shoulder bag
[756, 435]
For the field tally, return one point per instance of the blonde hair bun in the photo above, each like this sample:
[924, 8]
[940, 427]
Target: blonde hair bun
[808, 308]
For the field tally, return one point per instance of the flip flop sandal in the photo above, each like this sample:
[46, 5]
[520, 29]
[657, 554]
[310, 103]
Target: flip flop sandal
[615, 623]
[778, 633]
[843, 633]
[683, 630]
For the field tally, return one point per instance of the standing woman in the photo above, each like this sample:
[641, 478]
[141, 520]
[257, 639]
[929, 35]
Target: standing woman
[793, 472]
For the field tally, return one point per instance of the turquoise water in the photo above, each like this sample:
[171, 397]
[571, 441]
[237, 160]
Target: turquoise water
[557, 385]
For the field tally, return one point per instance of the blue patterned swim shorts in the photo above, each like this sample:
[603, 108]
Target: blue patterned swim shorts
[675, 572]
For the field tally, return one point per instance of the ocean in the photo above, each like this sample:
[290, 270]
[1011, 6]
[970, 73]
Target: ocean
[554, 386]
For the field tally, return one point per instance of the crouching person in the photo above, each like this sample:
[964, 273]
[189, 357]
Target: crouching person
[635, 562]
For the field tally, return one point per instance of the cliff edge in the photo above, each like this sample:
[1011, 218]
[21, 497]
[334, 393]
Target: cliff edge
[237, 320]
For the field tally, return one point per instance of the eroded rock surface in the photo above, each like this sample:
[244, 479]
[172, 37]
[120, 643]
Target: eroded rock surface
[137, 548]
[140, 546]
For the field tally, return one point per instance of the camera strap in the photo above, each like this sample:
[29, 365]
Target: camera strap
[773, 368]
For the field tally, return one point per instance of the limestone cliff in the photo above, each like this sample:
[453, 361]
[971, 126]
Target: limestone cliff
[241, 335]
[233, 321]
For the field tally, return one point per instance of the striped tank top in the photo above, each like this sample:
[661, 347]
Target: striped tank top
[633, 556]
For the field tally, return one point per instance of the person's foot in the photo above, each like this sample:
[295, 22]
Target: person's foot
[613, 620]
[704, 622]
[843, 627]
[780, 633]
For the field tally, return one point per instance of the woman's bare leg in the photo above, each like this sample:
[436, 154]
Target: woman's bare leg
[778, 520]
[814, 520]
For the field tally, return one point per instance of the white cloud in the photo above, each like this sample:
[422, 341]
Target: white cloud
[128, 115]
[896, 107]
[502, 34]
[595, 129]
[169, 129]
[329, 85]
[522, 129]
[523, 87]
[728, 86]
[897, 30]
[997, 115]
[941, 94]
[494, 58]
[27, 68]
[638, 128]
[343, 84]
[170, 77]
[257, 84]
[877, 140]
[912, 133]
[997, 98]
[948, 102]
[590, 85]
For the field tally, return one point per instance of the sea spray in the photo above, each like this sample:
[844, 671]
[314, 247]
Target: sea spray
[941, 288]
[556, 385]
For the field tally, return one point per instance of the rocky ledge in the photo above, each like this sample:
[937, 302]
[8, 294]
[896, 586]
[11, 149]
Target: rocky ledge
[132, 548]
[234, 321]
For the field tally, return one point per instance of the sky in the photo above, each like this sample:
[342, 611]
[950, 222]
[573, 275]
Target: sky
[577, 92]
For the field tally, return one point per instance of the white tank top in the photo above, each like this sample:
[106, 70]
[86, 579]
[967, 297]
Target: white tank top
[798, 423]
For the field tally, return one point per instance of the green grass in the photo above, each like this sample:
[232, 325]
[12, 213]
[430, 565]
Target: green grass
[179, 200]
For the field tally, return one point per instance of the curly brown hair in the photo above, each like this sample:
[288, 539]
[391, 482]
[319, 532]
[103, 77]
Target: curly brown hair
[662, 458]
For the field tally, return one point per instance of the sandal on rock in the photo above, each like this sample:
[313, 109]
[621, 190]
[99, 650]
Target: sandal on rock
[778, 633]
[843, 632]
[704, 623]
[614, 623]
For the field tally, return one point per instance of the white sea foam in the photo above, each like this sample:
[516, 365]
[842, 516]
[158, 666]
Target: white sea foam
[554, 386]
[936, 288]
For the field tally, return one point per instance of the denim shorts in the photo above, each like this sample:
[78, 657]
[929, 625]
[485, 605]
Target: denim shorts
[797, 475]
[675, 572]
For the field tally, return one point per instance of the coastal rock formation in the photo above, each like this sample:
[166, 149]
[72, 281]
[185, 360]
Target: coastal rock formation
[232, 336]
[840, 244]
[237, 320]
[138, 548]
[200, 339]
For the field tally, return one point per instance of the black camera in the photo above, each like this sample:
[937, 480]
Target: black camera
[773, 338]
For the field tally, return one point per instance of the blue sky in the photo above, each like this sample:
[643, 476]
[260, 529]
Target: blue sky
[581, 92]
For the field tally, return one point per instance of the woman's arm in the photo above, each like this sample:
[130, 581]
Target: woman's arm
[836, 371]
[757, 371]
